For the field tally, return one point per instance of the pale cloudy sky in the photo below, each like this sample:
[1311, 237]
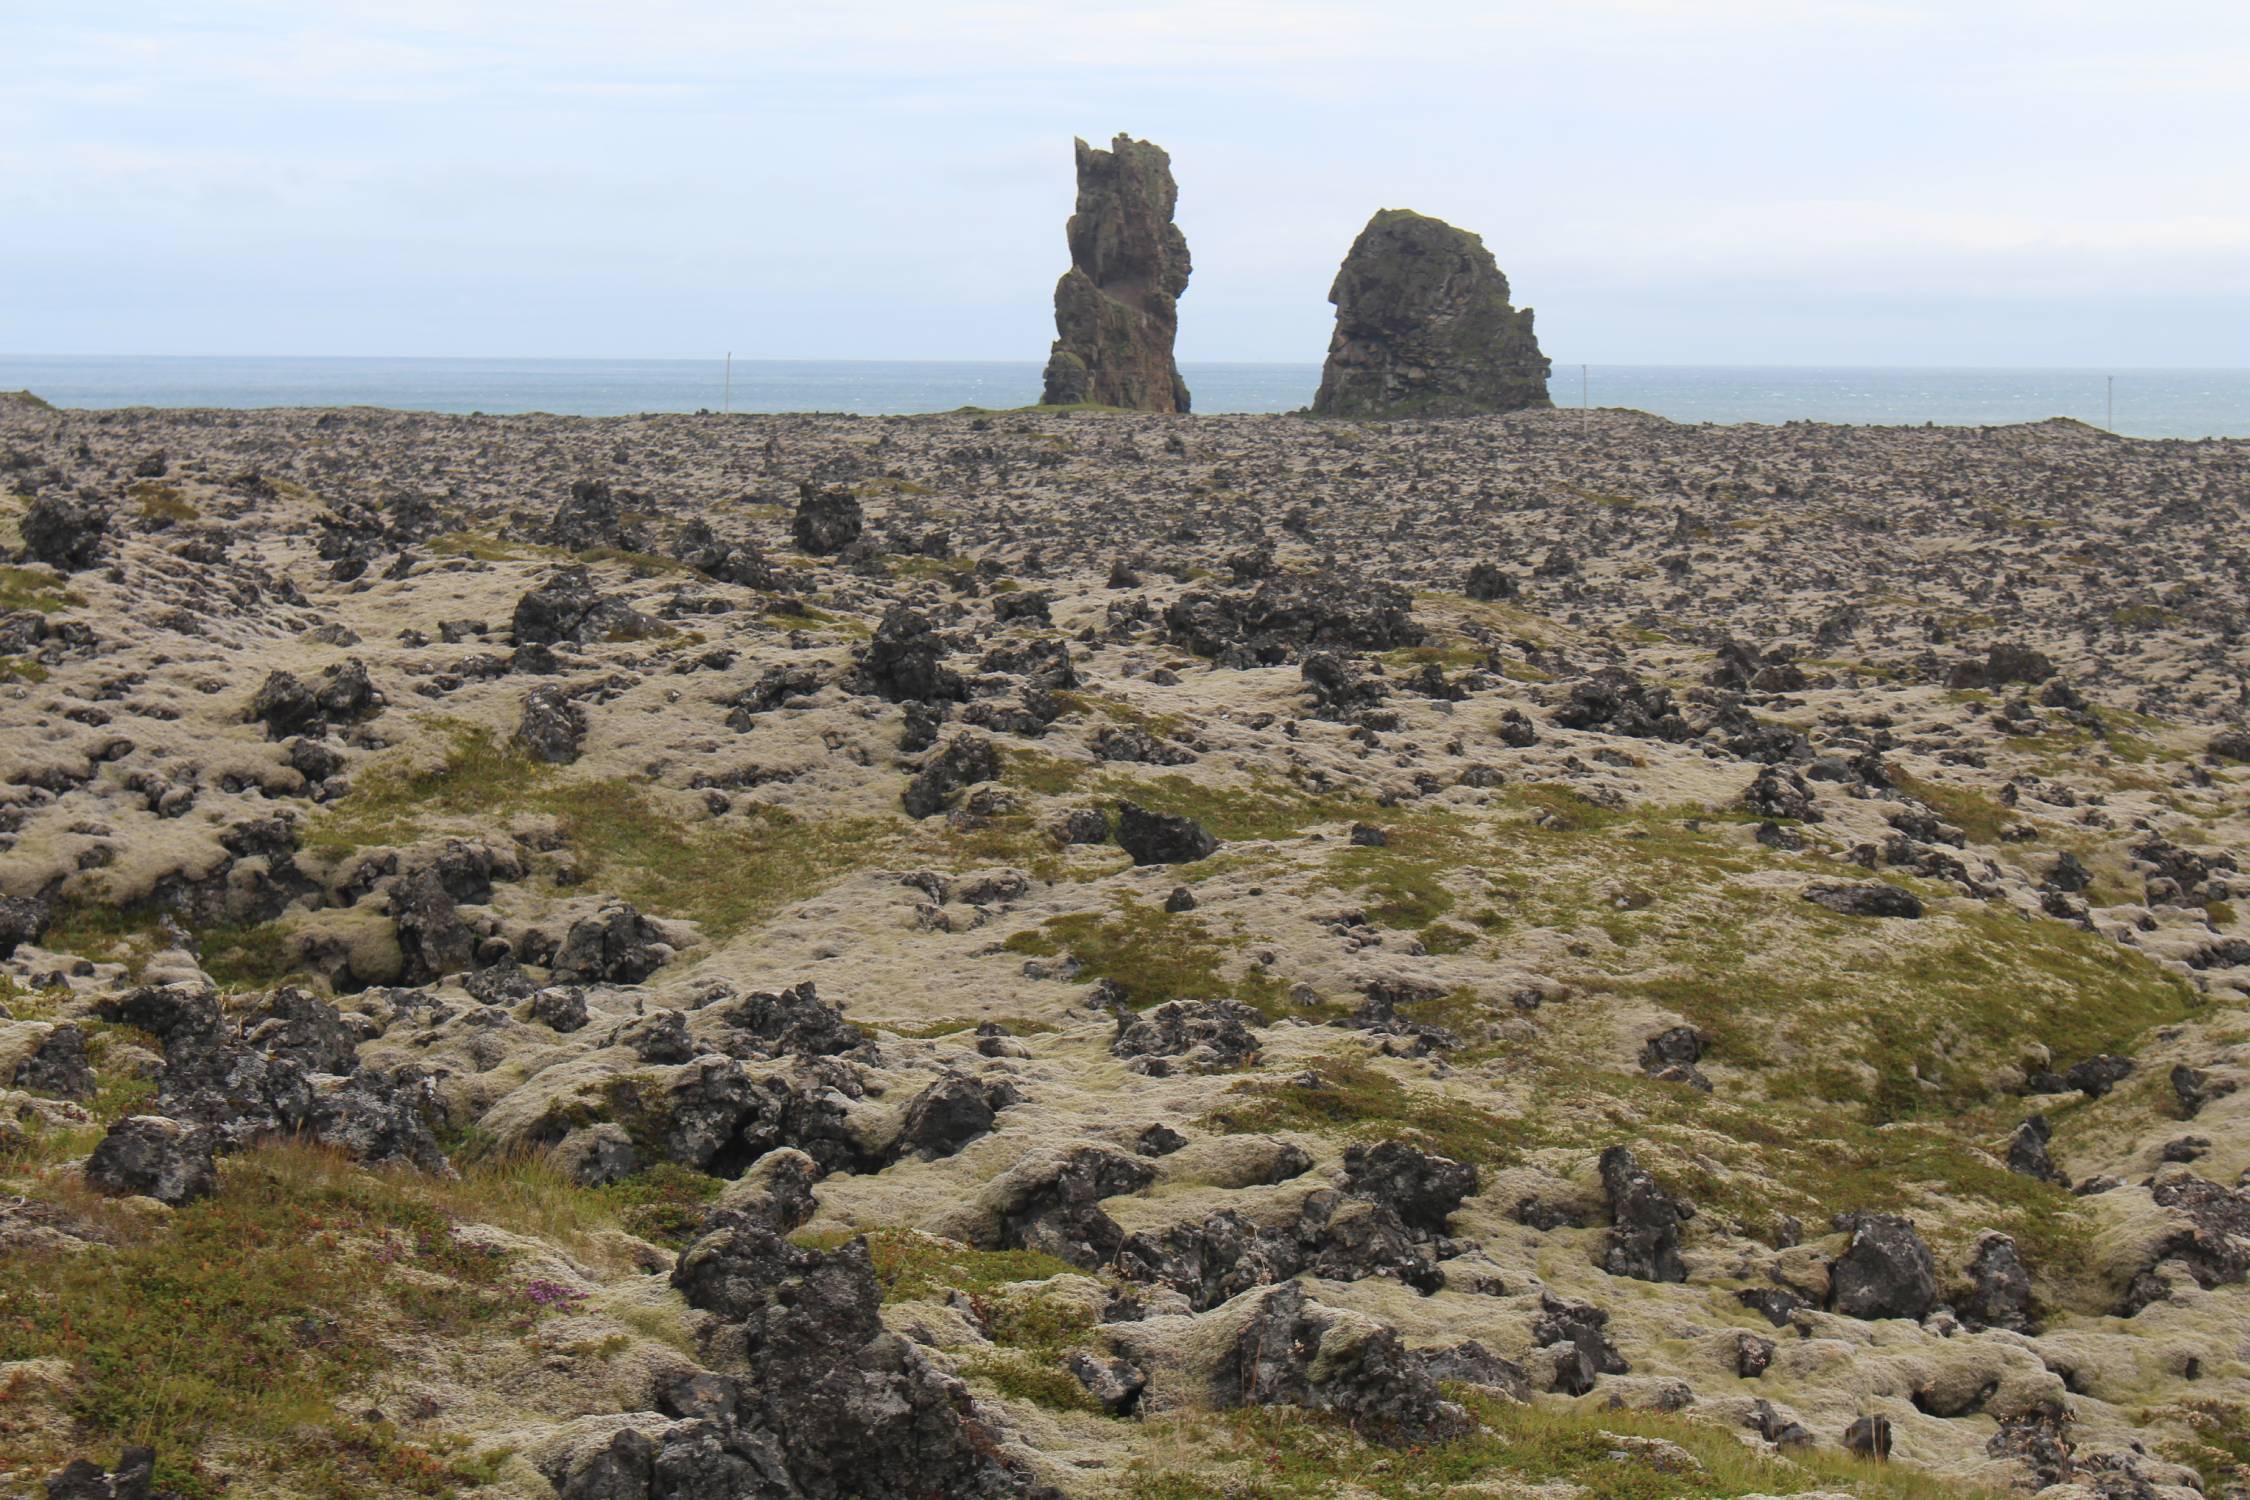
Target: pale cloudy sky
[1720, 181]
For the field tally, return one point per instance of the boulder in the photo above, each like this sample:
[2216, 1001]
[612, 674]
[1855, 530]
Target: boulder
[616, 945]
[23, 919]
[827, 521]
[950, 1113]
[1421, 1187]
[1286, 617]
[132, 1479]
[1885, 1272]
[1154, 838]
[551, 727]
[1614, 701]
[568, 608]
[1870, 898]
[150, 1156]
[58, 1066]
[966, 760]
[590, 516]
[904, 661]
[64, 534]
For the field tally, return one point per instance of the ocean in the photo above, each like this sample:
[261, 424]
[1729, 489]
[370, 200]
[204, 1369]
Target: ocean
[2169, 403]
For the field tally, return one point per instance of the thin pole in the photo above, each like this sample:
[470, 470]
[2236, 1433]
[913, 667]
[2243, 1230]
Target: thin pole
[2109, 402]
[1584, 410]
[726, 402]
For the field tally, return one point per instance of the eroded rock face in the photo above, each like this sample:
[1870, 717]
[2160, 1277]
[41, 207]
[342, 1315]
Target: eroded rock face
[1424, 326]
[1117, 307]
[1645, 1242]
[853, 1409]
[1294, 1352]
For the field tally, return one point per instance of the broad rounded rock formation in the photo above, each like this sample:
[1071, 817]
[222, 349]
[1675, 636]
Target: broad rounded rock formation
[1117, 307]
[1424, 327]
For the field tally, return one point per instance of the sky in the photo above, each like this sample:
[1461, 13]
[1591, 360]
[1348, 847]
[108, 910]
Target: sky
[1920, 182]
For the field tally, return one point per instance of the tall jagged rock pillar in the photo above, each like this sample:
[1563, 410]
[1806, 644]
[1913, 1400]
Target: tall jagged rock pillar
[1117, 307]
[1424, 327]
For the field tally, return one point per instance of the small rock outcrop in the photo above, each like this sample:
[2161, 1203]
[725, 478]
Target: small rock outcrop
[150, 1156]
[1117, 307]
[1424, 326]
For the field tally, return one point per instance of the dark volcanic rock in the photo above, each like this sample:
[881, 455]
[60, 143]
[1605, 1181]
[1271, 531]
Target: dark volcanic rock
[1615, 701]
[567, 607]
[1117, 307]
[1292, 1351]
[793, 1022]
[1424, 326]
[83, 1479]
[59, 1066]
[1154, 838]
[2027, 1152]
[2212, 1233]
[1583, 1330]
[551, 727]
[433, 940]
[616, 945]
[1210, 1036]
[904, 661]
[286, 706]
[826, 521]
[1873, 898]
[1286, 617]
[1999, 1286]
[853, 1409]
[950, 1113]
[1645, 1242]
[1886, 1272]
[157, 1158]
[23, 919]
[1423, 1189]
[966, 760]
[590, 516]
[1056, 1207]
[62, 533]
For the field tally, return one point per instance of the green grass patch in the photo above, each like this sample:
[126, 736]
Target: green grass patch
[913, 1266]
[35, 589]
[725, 874]
[1978, 814]
[1353, 1097]
[239, 1321]
[1403, 881]
[1270, 807]
[666, 1204]
[1026, 1377]
[641, 564]
[163, 502]
[1155, 954]
[483, 546]
[245, 956]
[1591, 1453]
[955, 1025]
[1932, 1021]
[128, 935]
[2218, 1448]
